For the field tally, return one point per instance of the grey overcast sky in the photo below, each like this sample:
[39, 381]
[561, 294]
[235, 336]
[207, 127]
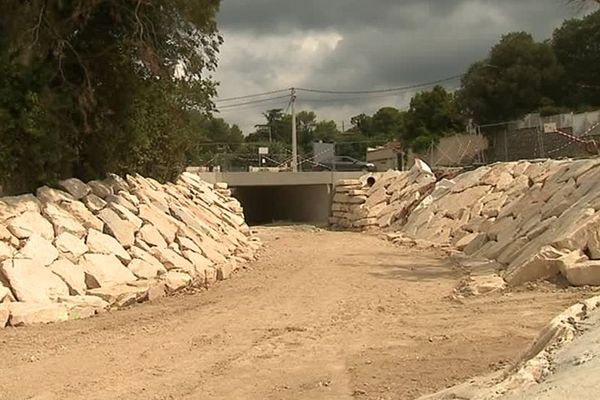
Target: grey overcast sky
[361, 45]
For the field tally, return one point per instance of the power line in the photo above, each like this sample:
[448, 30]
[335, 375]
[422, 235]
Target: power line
[252, 102]
[398, 89]
[249, 96]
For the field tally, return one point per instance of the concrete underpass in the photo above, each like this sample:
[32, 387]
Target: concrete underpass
[267, 197]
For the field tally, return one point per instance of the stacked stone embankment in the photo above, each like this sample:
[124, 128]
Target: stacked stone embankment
[348, 205]
[535, 219]
[387, 201]
[72, 253]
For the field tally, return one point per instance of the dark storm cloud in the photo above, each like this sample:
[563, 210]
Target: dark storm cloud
[382, 43]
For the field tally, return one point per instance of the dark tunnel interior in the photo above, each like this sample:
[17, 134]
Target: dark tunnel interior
[296, 204]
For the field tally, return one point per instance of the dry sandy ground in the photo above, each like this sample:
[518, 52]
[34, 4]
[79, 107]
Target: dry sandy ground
[322, 315]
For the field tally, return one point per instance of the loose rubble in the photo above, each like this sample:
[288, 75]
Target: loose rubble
[536, 219]
[72, 254]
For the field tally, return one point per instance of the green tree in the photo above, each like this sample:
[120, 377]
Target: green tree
[432, 114]
[519, 76]
[577, 47]
[96, 86]
[389, 121]
[363, 124]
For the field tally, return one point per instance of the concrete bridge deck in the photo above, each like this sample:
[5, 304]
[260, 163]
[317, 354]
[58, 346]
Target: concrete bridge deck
[239, 179]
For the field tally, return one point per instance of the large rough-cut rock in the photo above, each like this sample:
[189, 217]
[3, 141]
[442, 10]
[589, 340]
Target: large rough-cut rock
[165, 224]
[120, 295]
[71, 274]
[582, 273]
[40, 250]
[83, 306]
[75, 187]
[49, 195]
[171, 260]
[122, 230]
[36, 313]
[175, 280]
[100, 189]
[99, 243]
[32, 282]
[149, 234]
[30, 223]
[70, 246]
[62, 221]
[82, 214]
[94, 203]
[143, 269]
[104, 270]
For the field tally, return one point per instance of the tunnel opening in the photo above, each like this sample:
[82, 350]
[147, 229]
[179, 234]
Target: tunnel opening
[285, 204]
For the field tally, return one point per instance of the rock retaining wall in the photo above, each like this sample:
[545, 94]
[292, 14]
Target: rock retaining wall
[71, 253]
[537, 219]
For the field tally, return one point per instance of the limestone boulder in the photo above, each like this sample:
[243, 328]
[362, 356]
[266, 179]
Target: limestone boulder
[127, 215]
[30, 223]
[171, 260]
[94, 203]
[36, 313]
[481, 284]
[75, 187]
[47, 194]
[582, 273]
[100, 189]
[39, 250]
[32, 282]
[175, 280]
[143, 269]
[62, 221]
[104, 270]
[22, 204]
[100, 243]
[70, 246]
[150, 235]
[166, 225]
[137, 252]
[121, 201]
[82, 214]
[120, 229]
[83, 306]
[121, 295]
[546, 263]
[71, 274]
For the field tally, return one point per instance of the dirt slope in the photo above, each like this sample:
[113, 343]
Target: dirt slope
[322, 315]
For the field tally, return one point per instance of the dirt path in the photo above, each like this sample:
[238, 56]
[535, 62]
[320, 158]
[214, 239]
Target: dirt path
[322, 315]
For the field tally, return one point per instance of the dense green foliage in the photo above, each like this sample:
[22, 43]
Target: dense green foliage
[95, 86]
[521, 75]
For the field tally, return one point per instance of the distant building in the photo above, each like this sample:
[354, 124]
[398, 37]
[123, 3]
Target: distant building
[388, 156]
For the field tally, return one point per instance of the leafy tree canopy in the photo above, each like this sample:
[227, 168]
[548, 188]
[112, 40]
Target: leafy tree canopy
[92, 86]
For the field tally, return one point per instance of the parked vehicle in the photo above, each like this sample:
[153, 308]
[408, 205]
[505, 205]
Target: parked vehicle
[345, 163]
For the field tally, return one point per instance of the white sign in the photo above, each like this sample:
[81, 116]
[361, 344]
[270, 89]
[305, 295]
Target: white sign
[263, 150]
[550, 127]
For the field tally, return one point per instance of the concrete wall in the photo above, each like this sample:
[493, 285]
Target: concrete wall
[300, 203]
